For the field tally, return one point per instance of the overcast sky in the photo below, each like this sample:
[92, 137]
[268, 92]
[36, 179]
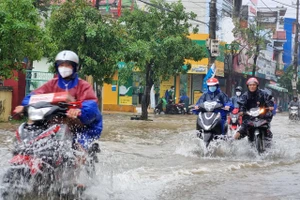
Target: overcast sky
[290, 13]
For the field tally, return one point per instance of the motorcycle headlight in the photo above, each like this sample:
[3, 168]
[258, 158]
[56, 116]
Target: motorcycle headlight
[256, 112]
[233, 119]
[35, 114]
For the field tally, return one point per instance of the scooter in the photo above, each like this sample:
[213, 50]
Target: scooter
[257, 128]
[45, 159]
[209, 121]
[234, 121]
[293, 113]
[171, 108]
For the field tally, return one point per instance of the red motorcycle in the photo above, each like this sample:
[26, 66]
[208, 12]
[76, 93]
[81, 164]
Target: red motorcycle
[45, 158]
[234, 121]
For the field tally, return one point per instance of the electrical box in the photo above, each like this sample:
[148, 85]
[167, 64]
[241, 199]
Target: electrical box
[207, 43]
[214, 47]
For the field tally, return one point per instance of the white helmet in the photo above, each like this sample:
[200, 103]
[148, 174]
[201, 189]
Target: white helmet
[67, 55]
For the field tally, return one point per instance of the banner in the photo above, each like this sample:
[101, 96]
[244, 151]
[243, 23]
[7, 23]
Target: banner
[119, 8]
[211, 73]
[125, 93]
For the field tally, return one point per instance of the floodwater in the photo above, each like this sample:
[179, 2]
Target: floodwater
[164, 160]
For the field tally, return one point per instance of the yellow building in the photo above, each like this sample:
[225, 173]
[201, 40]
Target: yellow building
[126, 98]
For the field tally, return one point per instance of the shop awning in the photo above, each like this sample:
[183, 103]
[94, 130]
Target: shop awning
[276, 87]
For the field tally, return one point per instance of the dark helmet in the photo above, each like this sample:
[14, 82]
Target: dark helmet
[69, 56]
[295, 97]
[239, 88]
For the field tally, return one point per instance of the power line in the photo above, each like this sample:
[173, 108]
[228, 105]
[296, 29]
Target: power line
[266, 5]
[284, 4]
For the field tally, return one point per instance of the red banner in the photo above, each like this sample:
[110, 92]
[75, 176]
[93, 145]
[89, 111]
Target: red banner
[119, 8]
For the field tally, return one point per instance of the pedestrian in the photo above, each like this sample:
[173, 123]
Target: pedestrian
[169, 94]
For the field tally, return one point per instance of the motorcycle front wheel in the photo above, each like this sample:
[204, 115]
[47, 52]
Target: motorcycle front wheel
[207, 137]
[259, 142]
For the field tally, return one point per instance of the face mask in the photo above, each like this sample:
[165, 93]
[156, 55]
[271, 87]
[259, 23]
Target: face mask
[238, 93]
[212, 88]
[65, 71]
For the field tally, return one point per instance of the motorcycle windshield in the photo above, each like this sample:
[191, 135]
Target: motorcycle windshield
[208, 120]
[294, 108]
[210, 106]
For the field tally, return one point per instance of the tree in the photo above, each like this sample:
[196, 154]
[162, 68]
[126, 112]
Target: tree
[20, 35]
[43, 6]
[77, 26]
[255, 36]
[157, 43]
[286, 80]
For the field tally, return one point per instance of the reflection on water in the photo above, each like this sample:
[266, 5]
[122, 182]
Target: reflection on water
[163, 159]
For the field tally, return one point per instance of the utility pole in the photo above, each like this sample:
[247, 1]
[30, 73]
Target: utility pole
[212, 27]
[296, 46]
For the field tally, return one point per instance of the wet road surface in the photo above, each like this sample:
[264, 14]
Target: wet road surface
[163, 159]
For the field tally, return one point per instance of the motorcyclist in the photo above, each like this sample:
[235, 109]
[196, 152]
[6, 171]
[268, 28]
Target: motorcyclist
[253, 98]
[234, 100]
[237, 96]
[295, 103]
[186, 100]
[169, 94]
[67, 66]
[214, 93]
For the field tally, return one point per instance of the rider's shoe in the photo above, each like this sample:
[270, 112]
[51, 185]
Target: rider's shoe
[93, 150]
[199, 135]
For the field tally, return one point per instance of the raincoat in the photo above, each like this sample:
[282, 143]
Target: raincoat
[220, 97]
[81, 91]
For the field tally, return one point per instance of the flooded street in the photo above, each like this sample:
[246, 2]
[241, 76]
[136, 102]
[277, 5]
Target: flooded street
[163, 159]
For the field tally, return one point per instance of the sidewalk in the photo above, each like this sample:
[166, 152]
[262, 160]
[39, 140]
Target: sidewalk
[107, 112]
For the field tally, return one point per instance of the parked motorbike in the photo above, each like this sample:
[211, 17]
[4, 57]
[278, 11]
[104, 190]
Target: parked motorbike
[209, 121]
[293, 113]
[171, 107]
[234, 121]
[257, 128]
[279, 109]
[45, 158]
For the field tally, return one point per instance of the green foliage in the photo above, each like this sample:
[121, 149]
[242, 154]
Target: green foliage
[157, 39]
[286, 80]
[43, 6]
[79, 27]
[256, 37]
[20, 35]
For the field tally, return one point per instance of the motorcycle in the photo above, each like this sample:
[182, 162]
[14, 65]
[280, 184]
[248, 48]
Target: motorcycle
[257, 128]
[293, 113]
[45, 158]
[171, 108]
[209, 122]
[234, 121]
[279, 109]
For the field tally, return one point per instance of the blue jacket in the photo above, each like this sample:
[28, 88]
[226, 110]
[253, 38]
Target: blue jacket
[234, 100]
[219, 96]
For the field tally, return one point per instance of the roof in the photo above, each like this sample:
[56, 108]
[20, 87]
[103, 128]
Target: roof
[276, 87]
